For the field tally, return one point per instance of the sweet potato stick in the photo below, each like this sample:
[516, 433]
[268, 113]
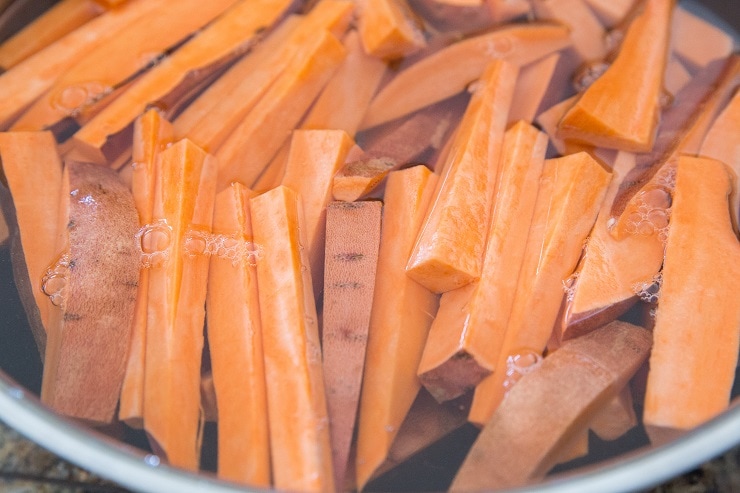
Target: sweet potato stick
[249, 148]
[32, 77]
[467, 334]
[587, 33]
[449, 71]
[449, 251]
[611, 12]
[111, 64]
[88, 333]
[178, 273]
[621, 109]
[30, 163]
[571, 191]
[531, 87]
[693, 362]
[352, 241]
[152, 134]
[696, 42]
[616, 418]
[299, 440]
[610, 276]
[389, 29]
[214, 114]
[721, 143]
[550, 405]
[218, 43]
[315, 156]
[235, 343]
[58, 21]
[402, 313]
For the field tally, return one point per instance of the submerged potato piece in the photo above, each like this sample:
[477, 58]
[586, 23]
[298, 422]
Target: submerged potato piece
[551, 405]
[621, 109]
[88, 334]
[697, 325]
[389, 29]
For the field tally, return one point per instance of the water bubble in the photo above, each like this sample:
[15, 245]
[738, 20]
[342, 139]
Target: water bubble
[152, 460]
[390, 428]
[587, 74]
[569, 286]
[154, 241]
[519, 364]
[650, 212]
[649, 291]
[196, 243]
[499, 47]
[55, 280]
[72, 99]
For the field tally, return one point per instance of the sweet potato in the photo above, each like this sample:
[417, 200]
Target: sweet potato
[218, 111]
[110, 65]
[534, 79]
[467, 334]
[315, 156]
[44, 67]
[299, 440]
[449, 251]
[587, 33]
[178, 273]
[571, 191]
[217, 44]
[352, 241]
[402, 313]
[389, 29]
[256, 140]
[152, 134]
[449, 71]
[692, 365]
[58, 21]
[235, 342]
[30, 163]
[697, 42]
[550, 405]
[88, 333]
[621, 109]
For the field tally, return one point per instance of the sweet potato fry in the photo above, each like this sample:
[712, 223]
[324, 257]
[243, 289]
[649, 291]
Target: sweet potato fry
[352, 241]
[30, 163]
[58, 21]
[587, 33]
[696, 42]
[449, 251]
[389, 29]
[615, 418]
[449, 71]
[152, 134]
[692, 365]
[550, 405]
[299, 440]
[235, 342]
[178, 272]
[534, 79]
[611, 12]
[402, 313]
[621, 109]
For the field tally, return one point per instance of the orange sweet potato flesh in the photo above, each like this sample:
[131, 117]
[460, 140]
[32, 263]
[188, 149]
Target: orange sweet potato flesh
[611, 12]
[256, 140]
[531, 87]
[44, 67]
[449, 71]
[112, 64]
[389, 29]
[88, 333]
[587, 33]
[621, 109]
[210, 119]
[467, 334]
[152, 134]
[235, 343]
[697, 42]
[449, 251]
[692, 366]
[397, 333]
[550, 405]
[571, 191]
[301, 449]
[315, 156]
[721, 143]
[216, 44]
[352, 242]
[30, 163]
[615, 418]
[178, 273]
[59, 20]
